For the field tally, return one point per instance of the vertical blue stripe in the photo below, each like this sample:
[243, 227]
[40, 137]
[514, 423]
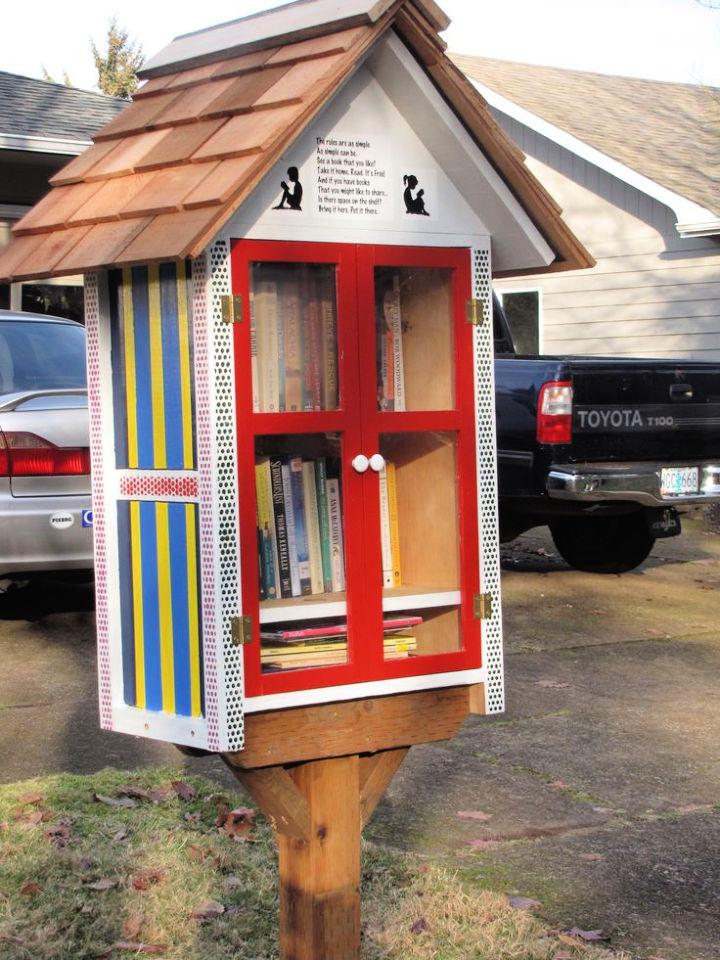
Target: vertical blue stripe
[151, 620]
[126, 603]
[181, 626]
[118, 366]
[171, 366]
[146, 459]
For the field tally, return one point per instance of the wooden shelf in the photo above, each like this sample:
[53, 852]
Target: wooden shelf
[314, 606]
[417, 598]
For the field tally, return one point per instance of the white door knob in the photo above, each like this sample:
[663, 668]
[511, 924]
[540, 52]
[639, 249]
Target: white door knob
[377, 462]
[360, 463]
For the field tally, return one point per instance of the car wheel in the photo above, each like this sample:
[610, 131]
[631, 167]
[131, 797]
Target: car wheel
[603, 544]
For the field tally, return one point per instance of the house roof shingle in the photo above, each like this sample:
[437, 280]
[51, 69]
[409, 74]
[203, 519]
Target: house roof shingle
[668, 132]
[164, 175]
[38, 108]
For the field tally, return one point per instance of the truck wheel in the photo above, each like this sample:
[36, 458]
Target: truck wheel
[603, 544]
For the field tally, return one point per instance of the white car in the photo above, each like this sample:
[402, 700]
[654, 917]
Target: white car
[45, 513]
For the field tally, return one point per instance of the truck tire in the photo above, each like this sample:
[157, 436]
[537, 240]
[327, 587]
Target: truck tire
[603, 544]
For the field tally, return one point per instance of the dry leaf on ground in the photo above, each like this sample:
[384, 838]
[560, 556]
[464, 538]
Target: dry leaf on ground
[588, 936]
[184, 790]
[114, 801]
[420, 926]
[147, 878]
[238, 824]
[475, 815]
[523, 903]
[139, 947]
[133, 925]
[208, 911]
[103, 884]
[30, 889]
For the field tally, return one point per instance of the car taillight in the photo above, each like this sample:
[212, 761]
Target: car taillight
[554, 417]
[27, 455]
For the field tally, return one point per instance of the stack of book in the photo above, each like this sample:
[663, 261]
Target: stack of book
[293, 338]
[301, 547]
[388, 323]
[320, 645]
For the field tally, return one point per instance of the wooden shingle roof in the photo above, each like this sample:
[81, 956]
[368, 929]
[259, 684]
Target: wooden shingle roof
[166, 173]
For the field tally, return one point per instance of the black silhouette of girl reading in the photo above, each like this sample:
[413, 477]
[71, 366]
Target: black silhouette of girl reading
[413, 204]
[292, 192]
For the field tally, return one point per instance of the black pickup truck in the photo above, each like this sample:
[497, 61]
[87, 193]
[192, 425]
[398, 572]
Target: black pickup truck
[604, 451]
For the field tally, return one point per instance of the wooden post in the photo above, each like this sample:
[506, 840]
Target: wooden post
[317, 773]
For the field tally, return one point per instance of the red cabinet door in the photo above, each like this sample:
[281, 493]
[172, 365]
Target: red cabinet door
[349, 352]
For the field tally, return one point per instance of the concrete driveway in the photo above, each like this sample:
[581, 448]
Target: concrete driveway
[596, 793]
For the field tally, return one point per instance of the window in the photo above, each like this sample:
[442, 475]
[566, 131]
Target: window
[522, 311]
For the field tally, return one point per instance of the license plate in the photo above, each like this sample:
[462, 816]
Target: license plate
[678, 481]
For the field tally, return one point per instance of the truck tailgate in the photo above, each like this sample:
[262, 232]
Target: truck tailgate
[645, 410]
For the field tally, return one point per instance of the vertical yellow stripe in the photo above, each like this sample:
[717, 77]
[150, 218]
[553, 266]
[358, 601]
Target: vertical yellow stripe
[185, 393]
[137, 598]
[167, 663]
[128, 328]
[156, 368]
[193, 620]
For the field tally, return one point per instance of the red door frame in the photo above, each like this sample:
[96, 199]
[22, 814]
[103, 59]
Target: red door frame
[359, 423]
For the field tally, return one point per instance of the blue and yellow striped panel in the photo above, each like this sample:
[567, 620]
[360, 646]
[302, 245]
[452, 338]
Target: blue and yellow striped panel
[159, 590]
[152, 363]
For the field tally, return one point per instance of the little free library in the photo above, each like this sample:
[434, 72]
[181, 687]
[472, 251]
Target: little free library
[288, 239]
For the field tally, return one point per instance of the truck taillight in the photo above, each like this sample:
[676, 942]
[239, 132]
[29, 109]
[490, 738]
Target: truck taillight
[554, 418]
[27, 455]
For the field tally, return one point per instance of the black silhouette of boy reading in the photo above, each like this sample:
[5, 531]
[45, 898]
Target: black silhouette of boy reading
[414, 204]
[292, 192]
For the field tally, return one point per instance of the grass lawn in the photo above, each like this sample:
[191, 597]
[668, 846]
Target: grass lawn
[126, 864]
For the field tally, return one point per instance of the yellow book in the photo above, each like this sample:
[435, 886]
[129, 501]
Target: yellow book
[394, 524]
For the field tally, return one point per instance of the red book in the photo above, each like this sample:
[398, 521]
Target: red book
[332, 630]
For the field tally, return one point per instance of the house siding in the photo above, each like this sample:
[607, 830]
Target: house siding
[652, 293]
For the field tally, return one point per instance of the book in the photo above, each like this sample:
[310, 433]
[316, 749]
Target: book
[328, 324]
[293, 374]
[324, 518]
[313, 352]
[391, 476]
[300, 634]
[312, 526]
[337, 546]
[265, 309]
[301, 544]
[385, 548]
[266, 526]
[393, 318]
[290, 526]
[254, 368]
[281, 537]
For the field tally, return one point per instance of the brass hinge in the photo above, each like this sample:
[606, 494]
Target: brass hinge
[241, 630]
[483, 606]
[475, 311]
[232, 308]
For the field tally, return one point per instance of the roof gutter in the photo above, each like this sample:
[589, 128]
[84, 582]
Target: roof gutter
[693, 220]
[57, 145]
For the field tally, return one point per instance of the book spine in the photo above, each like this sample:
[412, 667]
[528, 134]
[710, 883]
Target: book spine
[290, 525]
[312, 522]
[301, 545]
[280, 327]
[262, 589]
[329, 343]
[266, 526]
[324, 517]
[271, 370]
[278, 500]
[394, 525]
[394, 323]
[254, 360]
[293, 347]
[314, 350]
[337, 547]
[387, 576]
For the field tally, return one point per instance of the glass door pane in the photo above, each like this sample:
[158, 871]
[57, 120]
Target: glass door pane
[420, 544]
[414, 338]
[294, 344]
